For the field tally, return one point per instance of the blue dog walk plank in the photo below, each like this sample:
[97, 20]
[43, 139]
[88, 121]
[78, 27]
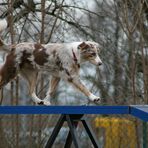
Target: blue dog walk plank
[140, 111]
[137, 111]
[64, 109]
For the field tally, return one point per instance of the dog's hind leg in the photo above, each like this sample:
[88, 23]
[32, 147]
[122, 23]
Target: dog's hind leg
[31, 77]
[54, 81]
[8, 70]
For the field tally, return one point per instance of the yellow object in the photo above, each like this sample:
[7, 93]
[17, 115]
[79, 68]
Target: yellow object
[119, 132]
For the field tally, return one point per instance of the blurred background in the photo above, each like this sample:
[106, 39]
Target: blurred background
[121, 29]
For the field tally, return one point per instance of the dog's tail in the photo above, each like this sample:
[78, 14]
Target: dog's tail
[3, 46]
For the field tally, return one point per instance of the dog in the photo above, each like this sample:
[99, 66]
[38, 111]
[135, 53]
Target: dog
[60, 60]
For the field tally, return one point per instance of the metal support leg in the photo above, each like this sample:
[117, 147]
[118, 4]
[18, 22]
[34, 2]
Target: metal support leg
[55, 132]
[72, 121]
[69, 137]
[90, 133]
[73, 131]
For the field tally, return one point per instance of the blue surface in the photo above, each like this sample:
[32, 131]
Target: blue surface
[140, 111]
[137, 111]
[64, 109]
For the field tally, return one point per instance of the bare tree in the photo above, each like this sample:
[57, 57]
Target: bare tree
[119, 26]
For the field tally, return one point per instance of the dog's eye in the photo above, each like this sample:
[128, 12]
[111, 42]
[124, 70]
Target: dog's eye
[98, 50]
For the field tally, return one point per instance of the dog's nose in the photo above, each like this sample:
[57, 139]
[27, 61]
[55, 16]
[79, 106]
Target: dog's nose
[100, 63]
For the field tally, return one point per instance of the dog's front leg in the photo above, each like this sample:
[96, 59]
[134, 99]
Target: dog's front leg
[54, 81]
[78, 84]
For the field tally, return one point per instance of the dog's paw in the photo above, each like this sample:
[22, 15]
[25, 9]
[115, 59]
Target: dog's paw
[47, 103]
[94, 99]
[97, 100]
[40, 103]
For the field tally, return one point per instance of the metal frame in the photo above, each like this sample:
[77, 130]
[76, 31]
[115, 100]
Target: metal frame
[73, 114]
[72, 122]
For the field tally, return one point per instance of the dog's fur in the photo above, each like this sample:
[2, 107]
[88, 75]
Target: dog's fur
[60, 60]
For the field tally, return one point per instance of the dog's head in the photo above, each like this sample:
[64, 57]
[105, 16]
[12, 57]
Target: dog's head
[89, 52]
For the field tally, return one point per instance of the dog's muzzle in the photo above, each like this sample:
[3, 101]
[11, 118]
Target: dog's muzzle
[98, 61]
[99, 64]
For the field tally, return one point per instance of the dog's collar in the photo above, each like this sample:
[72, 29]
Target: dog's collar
[75, 59]
[74, 56]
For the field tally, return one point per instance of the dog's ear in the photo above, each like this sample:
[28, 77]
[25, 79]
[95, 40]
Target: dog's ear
[83, 45]
[1, 42]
